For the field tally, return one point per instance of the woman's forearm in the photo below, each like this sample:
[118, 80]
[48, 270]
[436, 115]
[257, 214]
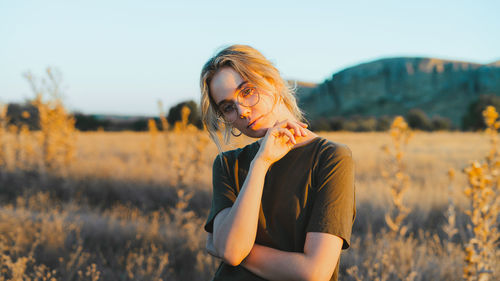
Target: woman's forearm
[235, 230]
[317, 262]
[273, 264]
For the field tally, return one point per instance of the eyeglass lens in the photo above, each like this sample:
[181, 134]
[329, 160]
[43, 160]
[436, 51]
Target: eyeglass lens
[247, 97]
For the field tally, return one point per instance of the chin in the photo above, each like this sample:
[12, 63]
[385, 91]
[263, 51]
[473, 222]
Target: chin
[262, 126]
[256, 133]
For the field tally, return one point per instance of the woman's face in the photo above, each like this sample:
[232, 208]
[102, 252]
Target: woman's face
[252, 121]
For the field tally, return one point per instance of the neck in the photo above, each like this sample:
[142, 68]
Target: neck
[283, 113]
[300, 140]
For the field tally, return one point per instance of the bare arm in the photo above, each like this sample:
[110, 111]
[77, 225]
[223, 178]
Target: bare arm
[321, 253]
[235, 228]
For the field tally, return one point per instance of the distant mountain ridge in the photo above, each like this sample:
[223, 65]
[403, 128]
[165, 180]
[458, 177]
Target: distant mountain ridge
[392, 86]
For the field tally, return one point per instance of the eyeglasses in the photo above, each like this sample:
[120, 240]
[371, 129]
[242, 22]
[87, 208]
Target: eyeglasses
[247, 97]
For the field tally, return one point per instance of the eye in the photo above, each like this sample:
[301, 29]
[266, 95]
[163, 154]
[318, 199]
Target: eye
[226, 108]
[246, 92]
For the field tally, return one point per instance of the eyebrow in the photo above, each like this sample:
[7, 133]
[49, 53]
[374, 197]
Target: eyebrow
[235, 90]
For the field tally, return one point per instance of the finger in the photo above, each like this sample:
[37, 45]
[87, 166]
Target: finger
[289, 135]
[304, 131]
[303, 127]
[297, 126]
[298, 130]
[287, 122]
[279, 132]
[303, 124]
[282, 124]
[293, 128]
[291, 125]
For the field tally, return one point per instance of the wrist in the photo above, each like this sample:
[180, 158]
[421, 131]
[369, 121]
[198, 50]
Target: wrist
[260, 162]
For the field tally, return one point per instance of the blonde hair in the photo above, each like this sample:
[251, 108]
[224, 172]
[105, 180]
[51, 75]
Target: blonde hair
[253, 67]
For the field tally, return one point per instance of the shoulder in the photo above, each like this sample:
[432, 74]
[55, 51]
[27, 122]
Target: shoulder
[334, 166]
[332, 157]
[230, 157]
[330, 150]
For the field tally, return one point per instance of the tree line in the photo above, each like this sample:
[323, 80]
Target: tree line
[417, 119]
[27, 114]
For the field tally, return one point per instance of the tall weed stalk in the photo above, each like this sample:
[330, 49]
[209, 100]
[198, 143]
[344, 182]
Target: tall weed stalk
[483, 193]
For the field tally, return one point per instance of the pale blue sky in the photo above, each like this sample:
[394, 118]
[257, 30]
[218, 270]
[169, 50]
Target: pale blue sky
[120, 57]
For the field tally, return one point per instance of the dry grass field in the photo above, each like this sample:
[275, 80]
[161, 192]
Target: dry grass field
[131, 206]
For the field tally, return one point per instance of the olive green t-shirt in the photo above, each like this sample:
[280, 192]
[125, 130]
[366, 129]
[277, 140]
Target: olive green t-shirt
[310, 189]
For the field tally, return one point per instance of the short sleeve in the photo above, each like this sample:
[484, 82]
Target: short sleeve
[333, 209]
[224, 193]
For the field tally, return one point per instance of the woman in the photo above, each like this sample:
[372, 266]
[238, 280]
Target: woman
[283, 206]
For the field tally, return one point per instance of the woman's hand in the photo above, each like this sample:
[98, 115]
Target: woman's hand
[279, 140]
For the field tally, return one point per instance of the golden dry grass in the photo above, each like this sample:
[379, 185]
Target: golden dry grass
[125, 211]
[131, 206]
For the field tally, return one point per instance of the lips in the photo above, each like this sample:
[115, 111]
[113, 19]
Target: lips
[250, 125]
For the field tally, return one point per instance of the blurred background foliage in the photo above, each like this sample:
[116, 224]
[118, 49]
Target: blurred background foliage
[418, 119]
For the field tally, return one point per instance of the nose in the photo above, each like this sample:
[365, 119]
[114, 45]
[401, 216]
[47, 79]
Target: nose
[243, 111]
